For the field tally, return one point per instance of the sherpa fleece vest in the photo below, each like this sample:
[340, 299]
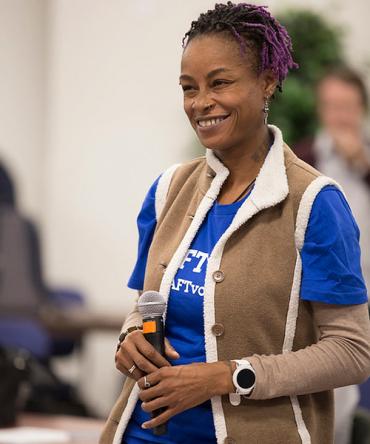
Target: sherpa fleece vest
[251, 300]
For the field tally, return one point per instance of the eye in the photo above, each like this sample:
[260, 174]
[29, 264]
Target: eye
[220, 83]
[189, 90]
[187, 87]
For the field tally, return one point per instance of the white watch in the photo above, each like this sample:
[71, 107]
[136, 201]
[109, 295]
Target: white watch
[244, 377]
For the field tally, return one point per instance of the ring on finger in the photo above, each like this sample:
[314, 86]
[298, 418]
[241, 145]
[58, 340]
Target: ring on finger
[146, 383]
[132, 369]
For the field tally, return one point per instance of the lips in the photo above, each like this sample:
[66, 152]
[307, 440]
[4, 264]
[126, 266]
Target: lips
[210, 121]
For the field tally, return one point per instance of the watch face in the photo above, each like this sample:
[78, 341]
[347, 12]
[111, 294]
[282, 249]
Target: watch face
[245, 378]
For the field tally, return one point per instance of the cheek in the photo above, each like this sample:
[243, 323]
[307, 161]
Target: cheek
[251, 105]
[188, 108]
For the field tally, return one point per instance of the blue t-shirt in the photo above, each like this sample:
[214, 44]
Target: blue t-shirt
[331, 274]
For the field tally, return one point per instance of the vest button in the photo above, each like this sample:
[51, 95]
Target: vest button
[218, 276]
[229, 440]
[218, 329]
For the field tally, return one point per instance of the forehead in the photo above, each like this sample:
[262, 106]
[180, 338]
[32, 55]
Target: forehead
[209, 52]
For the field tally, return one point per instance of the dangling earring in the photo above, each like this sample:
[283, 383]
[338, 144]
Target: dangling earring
[266, 110]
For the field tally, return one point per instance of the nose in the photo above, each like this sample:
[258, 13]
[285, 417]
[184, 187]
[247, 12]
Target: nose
[203, 103]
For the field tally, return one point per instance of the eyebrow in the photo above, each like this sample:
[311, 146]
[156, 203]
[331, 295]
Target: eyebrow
[211, 74]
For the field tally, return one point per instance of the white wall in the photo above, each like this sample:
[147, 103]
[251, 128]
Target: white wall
[111, 122]
[22, 97]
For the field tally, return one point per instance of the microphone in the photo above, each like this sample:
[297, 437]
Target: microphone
[151, 306]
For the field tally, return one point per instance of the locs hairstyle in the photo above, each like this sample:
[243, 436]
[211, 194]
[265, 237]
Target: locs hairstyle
[253, 27]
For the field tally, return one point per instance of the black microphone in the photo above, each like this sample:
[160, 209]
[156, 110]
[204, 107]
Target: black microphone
[151, 306]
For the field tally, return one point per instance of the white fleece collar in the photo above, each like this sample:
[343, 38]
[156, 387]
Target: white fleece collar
[271, 185]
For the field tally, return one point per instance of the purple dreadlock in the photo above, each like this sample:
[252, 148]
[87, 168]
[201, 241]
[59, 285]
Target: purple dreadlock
[251, 26]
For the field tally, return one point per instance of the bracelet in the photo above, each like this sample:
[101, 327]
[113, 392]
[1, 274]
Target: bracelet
[123, 335]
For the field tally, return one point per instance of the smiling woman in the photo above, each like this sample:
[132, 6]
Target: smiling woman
[257, 256]
[223, 99]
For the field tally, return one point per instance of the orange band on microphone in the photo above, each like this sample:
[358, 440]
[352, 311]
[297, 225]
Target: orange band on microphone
[149, 327]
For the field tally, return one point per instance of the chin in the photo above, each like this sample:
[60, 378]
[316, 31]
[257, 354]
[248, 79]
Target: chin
[213, 144]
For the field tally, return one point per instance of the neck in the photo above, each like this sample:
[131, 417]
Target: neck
[244, 162]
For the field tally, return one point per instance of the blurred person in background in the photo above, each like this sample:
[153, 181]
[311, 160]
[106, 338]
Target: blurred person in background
[256, 345]
[341, 149]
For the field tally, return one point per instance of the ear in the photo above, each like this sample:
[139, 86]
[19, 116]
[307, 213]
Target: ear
[269, 82]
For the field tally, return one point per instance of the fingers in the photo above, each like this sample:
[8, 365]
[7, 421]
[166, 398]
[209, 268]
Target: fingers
[139, 358]
[160, 419]
[169, 350]
[156, 404]
[136, 350]
[153, 379]
[151, 354]
[124, 363]
[147, 395]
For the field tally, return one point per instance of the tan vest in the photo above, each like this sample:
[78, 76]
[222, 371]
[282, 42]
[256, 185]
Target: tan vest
[251, 300]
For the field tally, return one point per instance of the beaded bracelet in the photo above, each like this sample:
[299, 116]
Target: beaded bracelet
[123, 335]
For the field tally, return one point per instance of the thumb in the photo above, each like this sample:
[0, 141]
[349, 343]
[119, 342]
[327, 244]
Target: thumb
[169, 350]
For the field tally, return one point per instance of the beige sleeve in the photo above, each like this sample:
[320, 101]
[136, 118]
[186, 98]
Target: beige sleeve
[134, 317]
[340, 357]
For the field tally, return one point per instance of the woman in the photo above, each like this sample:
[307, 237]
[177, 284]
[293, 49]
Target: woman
[254, 344]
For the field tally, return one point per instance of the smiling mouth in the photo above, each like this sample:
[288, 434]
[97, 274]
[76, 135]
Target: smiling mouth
[210, 122]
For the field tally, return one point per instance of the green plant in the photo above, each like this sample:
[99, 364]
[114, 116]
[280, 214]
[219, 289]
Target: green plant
[317, 46]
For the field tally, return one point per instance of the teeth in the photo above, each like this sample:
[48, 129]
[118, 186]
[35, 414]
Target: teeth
[210, 122]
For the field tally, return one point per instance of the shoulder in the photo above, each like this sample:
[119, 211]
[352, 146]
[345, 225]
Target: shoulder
[330, 208]
[299, 173]
[188, 169]
[186, 176]
[181, 172]
[304, 181]
[305, 184]
[170, 182]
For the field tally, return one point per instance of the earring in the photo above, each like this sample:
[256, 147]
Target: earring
[266, 110]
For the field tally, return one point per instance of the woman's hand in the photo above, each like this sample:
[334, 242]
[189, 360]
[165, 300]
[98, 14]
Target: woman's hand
[181, 387]
[136, 350]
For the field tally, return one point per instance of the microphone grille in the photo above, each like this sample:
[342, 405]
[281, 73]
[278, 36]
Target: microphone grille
[151, 303]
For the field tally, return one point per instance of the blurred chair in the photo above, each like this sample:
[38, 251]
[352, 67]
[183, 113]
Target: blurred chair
[23, 297]
[23, 292]
[365, 395]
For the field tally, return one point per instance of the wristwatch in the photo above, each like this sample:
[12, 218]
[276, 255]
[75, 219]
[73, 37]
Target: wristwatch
[244, 377]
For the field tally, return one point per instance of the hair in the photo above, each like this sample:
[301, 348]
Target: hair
[350, 76]
[253, 27]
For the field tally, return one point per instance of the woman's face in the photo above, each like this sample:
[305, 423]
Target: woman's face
[223, 95]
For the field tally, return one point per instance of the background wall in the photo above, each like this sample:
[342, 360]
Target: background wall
[90, 114]
[23, 73]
